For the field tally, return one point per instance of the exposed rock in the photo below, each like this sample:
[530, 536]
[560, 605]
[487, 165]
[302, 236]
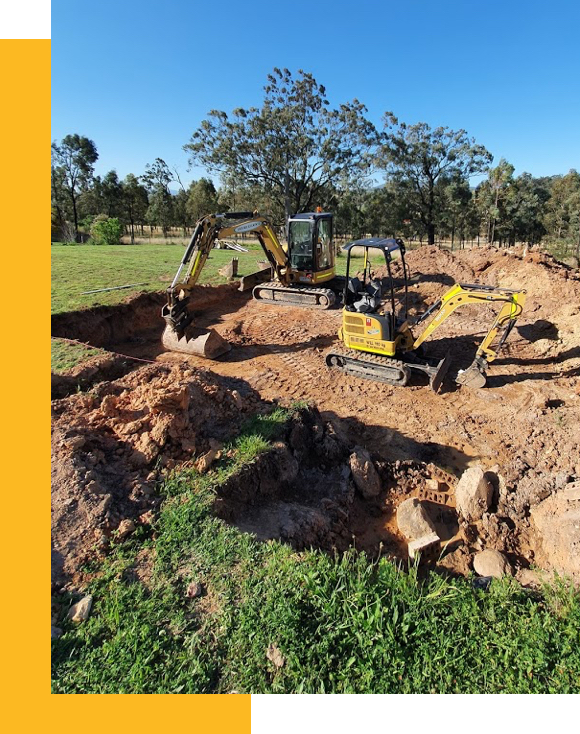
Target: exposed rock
[194, 590]
[238, 399]
[126, 527]
[530, 579]
[413, 521]
[206, 460]
[492, 563]
[473, 494]
[364, 473]
[275, 656]
[80, 611]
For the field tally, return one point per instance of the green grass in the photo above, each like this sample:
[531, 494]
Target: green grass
[343, 624]
[64, 355]
[78, 268]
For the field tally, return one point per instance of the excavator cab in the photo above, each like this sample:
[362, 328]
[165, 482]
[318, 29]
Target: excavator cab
[310, 247]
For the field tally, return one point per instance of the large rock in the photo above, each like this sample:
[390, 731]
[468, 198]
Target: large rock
[492, 563]
[473, 494]
[364, 473]
[555, 523]
[413, 521]
[80, 611]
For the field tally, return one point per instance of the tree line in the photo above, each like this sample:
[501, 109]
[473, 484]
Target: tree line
[296, 152]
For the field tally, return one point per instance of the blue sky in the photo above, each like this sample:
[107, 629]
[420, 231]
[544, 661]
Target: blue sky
[139, 77]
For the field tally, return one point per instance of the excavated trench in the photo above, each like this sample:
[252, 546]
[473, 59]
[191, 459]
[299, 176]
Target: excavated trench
[110, 443]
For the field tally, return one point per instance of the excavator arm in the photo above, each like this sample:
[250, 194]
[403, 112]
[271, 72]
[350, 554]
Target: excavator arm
[180, 335]
[462, 294]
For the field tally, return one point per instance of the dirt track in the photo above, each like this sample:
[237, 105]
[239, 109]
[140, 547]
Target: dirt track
[525, 423]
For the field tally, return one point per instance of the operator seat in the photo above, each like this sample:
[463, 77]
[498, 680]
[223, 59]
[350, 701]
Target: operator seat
[369, 299]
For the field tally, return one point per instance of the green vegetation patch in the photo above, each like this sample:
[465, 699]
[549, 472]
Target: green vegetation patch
[342, 624]
[65, 355]
[80, 268]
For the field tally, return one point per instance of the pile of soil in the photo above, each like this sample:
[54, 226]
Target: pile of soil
[108, 446]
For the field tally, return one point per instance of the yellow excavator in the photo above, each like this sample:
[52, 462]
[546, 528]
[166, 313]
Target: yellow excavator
[378, 344]
[303, 274]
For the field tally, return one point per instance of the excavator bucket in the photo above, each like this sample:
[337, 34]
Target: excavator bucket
[473, 376]
[205, 343]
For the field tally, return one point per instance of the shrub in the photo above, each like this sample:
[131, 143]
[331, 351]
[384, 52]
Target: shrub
[106, 231]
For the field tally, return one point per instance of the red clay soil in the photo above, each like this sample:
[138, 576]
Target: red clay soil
[524, 426]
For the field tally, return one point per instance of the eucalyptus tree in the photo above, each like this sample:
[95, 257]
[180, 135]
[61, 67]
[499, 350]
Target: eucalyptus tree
[295, 144]
[421, 159]
[72, 168]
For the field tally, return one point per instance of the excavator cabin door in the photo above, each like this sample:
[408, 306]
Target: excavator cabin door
[310, 245]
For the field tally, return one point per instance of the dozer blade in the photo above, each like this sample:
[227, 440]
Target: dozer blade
[247, 282]
[197, 342]
[436, 377]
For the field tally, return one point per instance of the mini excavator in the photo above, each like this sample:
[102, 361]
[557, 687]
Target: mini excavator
[378, 344]
[304, 274]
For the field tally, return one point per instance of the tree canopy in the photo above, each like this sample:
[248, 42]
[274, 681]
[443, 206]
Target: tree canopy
[424, 159]
[294, 145]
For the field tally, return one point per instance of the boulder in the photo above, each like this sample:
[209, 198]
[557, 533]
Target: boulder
[473, 494]
[413, 521]
[492, 563]
[80, 611]
[364, 474]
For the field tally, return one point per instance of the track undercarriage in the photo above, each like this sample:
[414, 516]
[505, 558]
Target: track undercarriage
[391, 371]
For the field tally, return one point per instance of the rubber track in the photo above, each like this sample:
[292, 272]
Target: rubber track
[305, 297]
[351, 356]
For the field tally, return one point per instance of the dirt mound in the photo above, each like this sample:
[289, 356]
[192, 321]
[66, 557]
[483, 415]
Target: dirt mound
[107, 446]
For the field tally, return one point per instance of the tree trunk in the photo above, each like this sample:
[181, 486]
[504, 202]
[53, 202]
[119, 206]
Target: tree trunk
[287, 210]
[75, 217]
[430, 233]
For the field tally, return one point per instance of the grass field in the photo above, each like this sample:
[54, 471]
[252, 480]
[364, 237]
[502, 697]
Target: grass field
[79, 268]
[344, 624]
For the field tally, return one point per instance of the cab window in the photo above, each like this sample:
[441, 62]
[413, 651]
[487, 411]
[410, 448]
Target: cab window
[300, 244]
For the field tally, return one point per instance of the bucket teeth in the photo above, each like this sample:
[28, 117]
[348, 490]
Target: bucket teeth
[206, 343]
